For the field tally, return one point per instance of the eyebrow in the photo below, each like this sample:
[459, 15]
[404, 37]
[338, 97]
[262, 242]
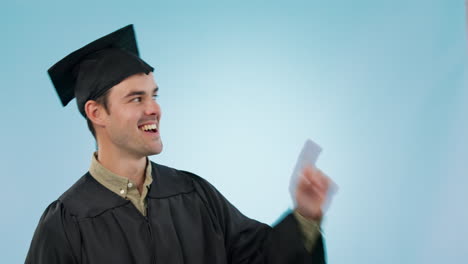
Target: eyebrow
[135, 93]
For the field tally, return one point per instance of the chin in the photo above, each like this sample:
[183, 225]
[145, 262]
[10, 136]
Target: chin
[156, 150]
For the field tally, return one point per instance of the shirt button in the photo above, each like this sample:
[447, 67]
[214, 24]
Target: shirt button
[122, 191]
[130, 185]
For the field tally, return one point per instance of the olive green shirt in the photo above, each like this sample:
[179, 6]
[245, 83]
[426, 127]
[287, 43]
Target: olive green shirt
[127, 189]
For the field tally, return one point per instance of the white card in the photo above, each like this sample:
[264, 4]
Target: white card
[308, 156]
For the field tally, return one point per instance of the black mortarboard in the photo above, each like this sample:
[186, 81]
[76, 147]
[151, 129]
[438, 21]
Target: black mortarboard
[89, 72]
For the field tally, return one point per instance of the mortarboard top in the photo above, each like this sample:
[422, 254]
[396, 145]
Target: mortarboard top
[90, 71]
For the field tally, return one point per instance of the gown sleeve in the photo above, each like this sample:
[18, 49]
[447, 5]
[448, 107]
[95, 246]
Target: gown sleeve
[52, 240]
[250, 242]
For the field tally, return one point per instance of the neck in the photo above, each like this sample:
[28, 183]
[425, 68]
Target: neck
[123, 164]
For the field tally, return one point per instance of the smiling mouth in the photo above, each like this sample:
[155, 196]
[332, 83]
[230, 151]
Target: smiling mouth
[152, 128]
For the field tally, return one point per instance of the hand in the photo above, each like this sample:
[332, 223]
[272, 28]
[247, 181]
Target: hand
[311, 192]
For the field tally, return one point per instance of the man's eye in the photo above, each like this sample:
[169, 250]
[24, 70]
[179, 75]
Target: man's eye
[155, 96]
[136, 99]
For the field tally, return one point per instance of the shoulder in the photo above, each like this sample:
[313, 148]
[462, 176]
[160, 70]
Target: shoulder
[53, 224]
[52, 216]
[55, 217]
[170, 181]
[88, 198]
[56, 237]
[77, 188]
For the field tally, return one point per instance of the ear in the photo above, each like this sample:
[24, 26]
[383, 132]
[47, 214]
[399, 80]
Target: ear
[95, 112]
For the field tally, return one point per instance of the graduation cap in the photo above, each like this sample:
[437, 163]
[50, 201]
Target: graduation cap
[89, 72]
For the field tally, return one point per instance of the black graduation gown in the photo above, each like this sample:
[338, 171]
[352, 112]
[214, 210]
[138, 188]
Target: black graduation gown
[188, 221]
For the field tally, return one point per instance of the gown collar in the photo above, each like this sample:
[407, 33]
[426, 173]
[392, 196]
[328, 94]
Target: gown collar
[89, 198]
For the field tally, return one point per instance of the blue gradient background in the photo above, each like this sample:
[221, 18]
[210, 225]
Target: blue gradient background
[380, 85]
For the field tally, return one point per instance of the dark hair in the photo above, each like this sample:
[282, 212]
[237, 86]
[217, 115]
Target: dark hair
[102, 100]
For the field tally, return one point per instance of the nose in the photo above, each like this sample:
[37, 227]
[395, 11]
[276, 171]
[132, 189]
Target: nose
[153, 108]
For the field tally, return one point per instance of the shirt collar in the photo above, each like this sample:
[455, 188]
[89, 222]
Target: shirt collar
[116, 183]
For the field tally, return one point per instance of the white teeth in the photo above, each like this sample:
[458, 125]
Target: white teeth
[148, 127]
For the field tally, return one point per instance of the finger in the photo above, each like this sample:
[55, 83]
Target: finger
[308, 170]
[310, 187]
[324, 181]
[304, 179]
[314, 193]
[317, 178]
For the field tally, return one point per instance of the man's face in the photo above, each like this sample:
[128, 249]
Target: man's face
[132, 125]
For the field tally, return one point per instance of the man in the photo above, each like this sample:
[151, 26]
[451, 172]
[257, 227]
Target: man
[127, 209]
